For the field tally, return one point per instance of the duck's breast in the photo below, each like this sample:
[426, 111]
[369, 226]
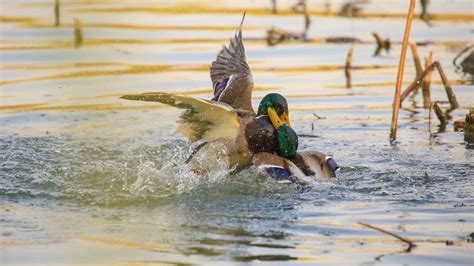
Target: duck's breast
[260, 135]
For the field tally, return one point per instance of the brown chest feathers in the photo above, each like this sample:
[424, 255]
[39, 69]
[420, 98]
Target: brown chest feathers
[260, 135]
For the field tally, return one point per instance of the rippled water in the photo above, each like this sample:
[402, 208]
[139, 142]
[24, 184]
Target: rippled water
[87, 177]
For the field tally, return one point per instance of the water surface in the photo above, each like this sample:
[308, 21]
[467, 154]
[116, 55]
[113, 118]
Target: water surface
[87, 177]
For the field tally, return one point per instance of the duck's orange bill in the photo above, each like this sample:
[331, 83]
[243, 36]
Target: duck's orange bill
[285, 119]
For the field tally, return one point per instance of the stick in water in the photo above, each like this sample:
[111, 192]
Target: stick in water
[427, 83]
[411, 245]
[416, 58]
[401, 67]
[57, 20]
[415, 84]
[347, 69]
[449, 90]
[77, 33]
[429, 119]
[441, 116]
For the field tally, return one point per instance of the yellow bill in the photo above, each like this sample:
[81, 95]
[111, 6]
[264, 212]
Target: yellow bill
[276, 121]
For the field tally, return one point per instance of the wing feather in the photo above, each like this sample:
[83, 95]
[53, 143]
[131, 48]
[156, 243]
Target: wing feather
[202, 119]
[231, 60]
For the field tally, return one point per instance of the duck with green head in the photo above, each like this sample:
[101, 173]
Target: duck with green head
[270, 131]
[264, 139]
[280, 159]
[228, 118]
[243, 132]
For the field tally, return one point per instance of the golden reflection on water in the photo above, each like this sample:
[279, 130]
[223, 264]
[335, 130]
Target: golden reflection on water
[125, 243]
[128, 69]
[207, 9]
[45, 75]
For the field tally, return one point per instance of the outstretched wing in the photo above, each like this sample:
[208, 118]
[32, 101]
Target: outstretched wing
[201, 120]
[230, 61]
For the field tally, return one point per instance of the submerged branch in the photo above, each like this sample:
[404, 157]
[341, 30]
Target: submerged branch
[410, 243]
[308, 136]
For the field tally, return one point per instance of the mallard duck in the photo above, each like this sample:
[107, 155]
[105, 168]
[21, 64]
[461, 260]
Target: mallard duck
[264, 139]
[232, 82]
[228, 118]
[302, 169]
[242, 132]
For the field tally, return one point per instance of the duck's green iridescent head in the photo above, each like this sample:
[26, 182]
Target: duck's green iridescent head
[287, 142]
[275, 106]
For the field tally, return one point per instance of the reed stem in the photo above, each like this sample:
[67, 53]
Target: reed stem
[449, 90]
[417, 82]
[426, 84]
[347, 69]
[57, 20]
[401, 67]
[441, 116]
[78, 39]
[416, 58]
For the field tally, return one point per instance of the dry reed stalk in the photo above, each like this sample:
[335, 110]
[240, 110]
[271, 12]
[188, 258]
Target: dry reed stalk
[276, 36]
[307, 19]
[439, 113]
[424, 10]
[77, 33]
[302, 7]
[411, 245]
[274, 6]
[417, 82]
[347, 69]
[418, 68]
[427, 83]
[401, 67]
[425, 77]
[416, 58]
[429, 119]
[381, 44]
[57, 21]
[449, 90]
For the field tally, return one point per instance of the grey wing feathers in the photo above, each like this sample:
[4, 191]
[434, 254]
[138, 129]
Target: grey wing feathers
[230, 60]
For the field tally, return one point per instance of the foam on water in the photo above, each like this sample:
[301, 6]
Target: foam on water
[97, 172]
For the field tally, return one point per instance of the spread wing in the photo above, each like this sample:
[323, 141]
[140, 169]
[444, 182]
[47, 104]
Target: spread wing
[230, 61]
[202, 119]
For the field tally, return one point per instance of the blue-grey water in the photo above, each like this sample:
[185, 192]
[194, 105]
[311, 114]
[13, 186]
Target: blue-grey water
[88, 178]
